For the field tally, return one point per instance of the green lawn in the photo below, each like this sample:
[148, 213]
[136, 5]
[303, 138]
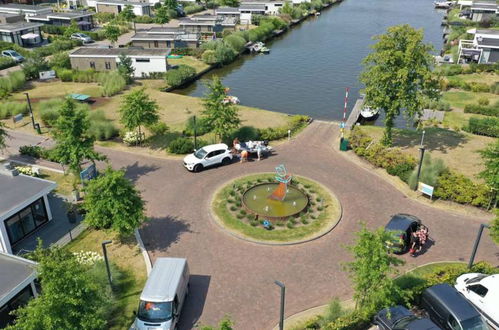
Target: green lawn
[190, 61]
[64, 182]
[485, 77]
[459, 98]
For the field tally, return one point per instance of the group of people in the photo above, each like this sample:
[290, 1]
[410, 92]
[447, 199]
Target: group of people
[243, 149]
[418, 239]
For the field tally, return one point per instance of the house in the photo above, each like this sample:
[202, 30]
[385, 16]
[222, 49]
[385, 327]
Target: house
[247, 12]
[165, 38]
[116, 6]
[83, 19]
[10, 18]
[484, 48]
[482, 10]
[144, 61]
[228, 12]
[24, 34]
[204, 24]
[17, 286]
[24, 206]
[271, 7]
[26, 10]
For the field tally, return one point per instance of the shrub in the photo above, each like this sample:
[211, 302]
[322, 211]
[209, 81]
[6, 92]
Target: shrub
[33, 65]
[104, 17]
[33, 151]
[235, 42]
[54, 29]
[181, 145]
[132, 138]
[143, 19]
[430, 171]
[483, 101]
[271, 133]
[6, 62]
[13, 82]
[244, 133]
[8, 109]
[483, 126]
[64, 74]
[202, 126]
[158, 128]
[112, 83]
[479, 87]
[86, 76]
[460, 189]
[181, 75]
[101, 128]
[233, 208]
[49, 110]
[451, 70]
[60, 60]
[482, 109]
[191, 9]
[290, 225]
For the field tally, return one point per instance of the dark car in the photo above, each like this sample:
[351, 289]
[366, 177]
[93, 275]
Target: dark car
[400, 318]
[450, 310]
[402, 226]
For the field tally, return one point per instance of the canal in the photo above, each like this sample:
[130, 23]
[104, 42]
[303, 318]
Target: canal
[310, 66]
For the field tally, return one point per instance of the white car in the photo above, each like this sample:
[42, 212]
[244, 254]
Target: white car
[483, 292]
[211, 155]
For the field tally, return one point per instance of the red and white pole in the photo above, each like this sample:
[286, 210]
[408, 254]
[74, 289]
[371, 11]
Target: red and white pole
[345, 114]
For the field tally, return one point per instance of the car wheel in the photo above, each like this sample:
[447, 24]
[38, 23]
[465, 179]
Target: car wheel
[226, 161]
[197, 168]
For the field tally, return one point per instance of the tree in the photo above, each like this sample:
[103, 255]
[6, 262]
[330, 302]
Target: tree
[286, 9]
[171, 4]
[112, 32]
[138, 109]
[221, 115]
[69, 299]
[397, 75]
[73, 28]
[127, 14]
[125, 67]
[33, 65]
[229, 3]
[371, 271]
[3, 136]
[73, 143]
[490, 174]
[494, 228]
[161, 15]
[112, 201]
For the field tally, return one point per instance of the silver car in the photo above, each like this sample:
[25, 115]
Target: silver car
[81, 37]
[12, 54]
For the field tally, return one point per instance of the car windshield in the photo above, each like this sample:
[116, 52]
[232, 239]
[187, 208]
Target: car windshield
[154, 311]
[200, 153]
[14, 53]
[404, 322]
[475, 323]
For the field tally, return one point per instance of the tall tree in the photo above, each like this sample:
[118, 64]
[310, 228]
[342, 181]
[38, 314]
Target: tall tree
[138, 110]
[125, 67]
[286, 9]
[112, 32]
[490, 174]
[3, 136]
[112, 201]
[69, 299]
[72, 28]
[161, 15]
[73, 143]
[127, 14]
[371, 270]
[171, 4]
[223, 116]
[398, 75]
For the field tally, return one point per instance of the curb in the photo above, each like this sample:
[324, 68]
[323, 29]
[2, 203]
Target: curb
[143, 250]
[216, 220]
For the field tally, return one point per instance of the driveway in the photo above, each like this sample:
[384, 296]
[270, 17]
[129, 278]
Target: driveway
[234, 277]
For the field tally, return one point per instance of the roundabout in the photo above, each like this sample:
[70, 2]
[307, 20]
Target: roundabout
[260, 209]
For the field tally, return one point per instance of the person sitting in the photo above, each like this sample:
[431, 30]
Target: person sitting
[422, 236]
[414, 244]
[244, 156]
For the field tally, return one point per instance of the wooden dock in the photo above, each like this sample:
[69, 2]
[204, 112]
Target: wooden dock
[355, 114]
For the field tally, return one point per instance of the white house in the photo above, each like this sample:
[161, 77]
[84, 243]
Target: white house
[26, 10]
[247, 12]
[24, 206]
[484, 48]
[116, 6]
[271, 7]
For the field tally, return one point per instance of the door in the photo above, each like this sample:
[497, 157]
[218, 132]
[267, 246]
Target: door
[476, 294]
[211, 158]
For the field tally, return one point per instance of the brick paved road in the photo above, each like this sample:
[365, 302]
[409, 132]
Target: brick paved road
[234, 277]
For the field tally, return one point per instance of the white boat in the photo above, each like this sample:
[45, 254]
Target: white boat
[231, 99]
[369, 113]
[442, 4]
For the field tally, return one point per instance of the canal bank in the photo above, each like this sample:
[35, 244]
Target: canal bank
[309, 67]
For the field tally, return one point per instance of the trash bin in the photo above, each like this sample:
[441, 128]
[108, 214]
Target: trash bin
[37, 127]
[343, 144]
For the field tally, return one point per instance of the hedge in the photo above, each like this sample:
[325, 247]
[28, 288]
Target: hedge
[6, 62]
[179, 76]
[8, 109]
[271, 133]
[183, 145]
[483, 126]
[191, 9]
[14, 81]
[460, 189]
[112, 83]
[482, 109]
[143, 19]
[101, 128]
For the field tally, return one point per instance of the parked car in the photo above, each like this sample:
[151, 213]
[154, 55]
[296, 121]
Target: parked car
[483, 292]
[163, 296]
[450, 310]
[81, 37]
[400, 318]
[13, 55]
[402, 226]
[211, 155]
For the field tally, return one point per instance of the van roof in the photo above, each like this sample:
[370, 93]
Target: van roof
[449, 297]
[163, 280]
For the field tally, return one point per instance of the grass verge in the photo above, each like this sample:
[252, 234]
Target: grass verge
[64, 182]
[321, 225]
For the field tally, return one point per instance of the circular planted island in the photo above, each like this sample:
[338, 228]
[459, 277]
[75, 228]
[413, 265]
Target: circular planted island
[273, 209]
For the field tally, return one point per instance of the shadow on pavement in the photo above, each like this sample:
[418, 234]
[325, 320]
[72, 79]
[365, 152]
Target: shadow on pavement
[194, 304]
[162, 232]
[135, 171]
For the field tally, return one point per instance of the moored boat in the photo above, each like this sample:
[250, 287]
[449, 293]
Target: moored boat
[369, 113]
[264, 50]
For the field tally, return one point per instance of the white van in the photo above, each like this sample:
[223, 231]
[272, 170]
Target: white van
[163, 296]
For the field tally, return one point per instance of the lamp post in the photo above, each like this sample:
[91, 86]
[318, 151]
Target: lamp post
[421, 156]
[475, 246]
[283, 293]
[195, 133]
[104, 243]
[30, 111]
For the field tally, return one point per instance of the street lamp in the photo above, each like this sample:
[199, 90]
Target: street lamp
[477, 241]
[107, 261]
[421, 156]
[30, 111]
[283, 292]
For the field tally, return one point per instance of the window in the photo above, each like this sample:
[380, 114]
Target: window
[92, 65]
[156, 44]
[27, 220]
[454, 325]
[143, 60]
[209, 28]
[479, 289]
[168, 44]
[108, 65]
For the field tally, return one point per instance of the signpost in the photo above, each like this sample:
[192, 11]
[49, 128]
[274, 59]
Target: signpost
[17, 118]
[425, 189]
[46, 75]
[89, 173]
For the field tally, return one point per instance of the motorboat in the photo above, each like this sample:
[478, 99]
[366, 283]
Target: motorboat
[264, 50]
[442, 4]
[369, 113]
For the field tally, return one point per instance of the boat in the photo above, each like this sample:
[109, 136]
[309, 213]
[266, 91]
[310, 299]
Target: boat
[264, 50]
[317, 13]
[442, 4]
[231, 99]
[369, 113]
[257, 47]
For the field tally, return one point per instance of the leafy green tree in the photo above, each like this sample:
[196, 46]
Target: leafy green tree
[112, 32]
[3, 136]
[127, 14]
[73, 28]
[229, 3]
[286, 9]
[125, 67]
[137, 110]
[73, 142]
[33, 65]
[70, 298]
[372, 269]
[398, 75]
[490, 174]
[161, 15]
[221, 115]
[171, 4]
[112, 201]
[494, 228]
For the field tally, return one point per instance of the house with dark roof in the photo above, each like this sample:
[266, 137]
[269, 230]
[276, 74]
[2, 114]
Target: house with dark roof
[83, 19]
[24, 207]
[17, 285]
[117, 6]
[482, 10]
[144, 61]
[10, 18]
[228, 12]
[203, 24]
[483, 49]
[26, 10]
[24, 34]
[165, 38]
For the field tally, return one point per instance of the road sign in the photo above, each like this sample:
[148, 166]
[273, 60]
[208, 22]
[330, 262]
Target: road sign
[89, 173]
[426, 189]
